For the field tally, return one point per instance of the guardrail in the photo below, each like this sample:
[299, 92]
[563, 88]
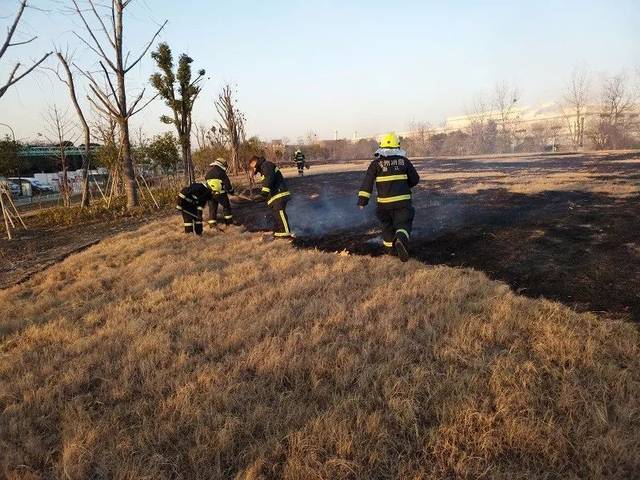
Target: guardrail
[53, 151]
[26, 200]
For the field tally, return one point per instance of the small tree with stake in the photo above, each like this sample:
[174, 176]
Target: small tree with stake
[181, 102]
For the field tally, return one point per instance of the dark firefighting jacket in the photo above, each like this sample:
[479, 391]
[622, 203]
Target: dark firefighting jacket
[299, 157]
[193, 198]
[273, 184]
[218, 180]
[393, 175]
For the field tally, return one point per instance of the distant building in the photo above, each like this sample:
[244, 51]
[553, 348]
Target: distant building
[561, 126]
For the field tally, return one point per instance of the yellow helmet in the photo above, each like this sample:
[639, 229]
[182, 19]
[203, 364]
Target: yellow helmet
[389, 140]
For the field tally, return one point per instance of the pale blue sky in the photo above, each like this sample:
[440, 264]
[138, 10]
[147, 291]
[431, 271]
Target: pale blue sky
[351, 65]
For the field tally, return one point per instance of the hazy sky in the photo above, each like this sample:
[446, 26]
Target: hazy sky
[365, 66]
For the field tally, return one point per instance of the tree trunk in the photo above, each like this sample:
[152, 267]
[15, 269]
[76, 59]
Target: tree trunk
[127, 162]
[127, 166]
[85, 171]
[85, 127]
[187, 163]
[65, 178]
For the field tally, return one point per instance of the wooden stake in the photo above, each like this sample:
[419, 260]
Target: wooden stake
[149, 190]
[99, 189]
[15, 210]
[4, 214]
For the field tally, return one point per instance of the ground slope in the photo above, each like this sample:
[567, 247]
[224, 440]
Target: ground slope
[154, 355]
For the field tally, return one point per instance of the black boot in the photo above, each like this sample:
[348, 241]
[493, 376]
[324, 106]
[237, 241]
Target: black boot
[401, 246]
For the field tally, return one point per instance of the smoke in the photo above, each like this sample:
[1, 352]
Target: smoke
[437, 216]
[317, 215]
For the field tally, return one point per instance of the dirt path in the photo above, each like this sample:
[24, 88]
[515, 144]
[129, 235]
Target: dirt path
[35, 249]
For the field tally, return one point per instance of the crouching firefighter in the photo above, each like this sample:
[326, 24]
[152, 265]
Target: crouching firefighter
[394, 176]
[274, 189]
[191, 202]
[220, 185]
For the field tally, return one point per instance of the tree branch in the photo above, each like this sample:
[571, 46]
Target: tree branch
[144, 52]
[99, 51]
[22, 43]
[104, 27]
[12, 29]
[13, 80]
[143, 106]
[113, 91]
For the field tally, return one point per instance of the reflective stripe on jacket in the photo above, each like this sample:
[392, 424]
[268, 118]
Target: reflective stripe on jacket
[393, 176]
[194, 197]
[218, 180]
[273, 184]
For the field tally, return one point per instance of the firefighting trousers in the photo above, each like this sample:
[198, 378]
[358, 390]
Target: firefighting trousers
[191, 217]
[396, 223]
[223, 201]
[300, 166]
[282, 227]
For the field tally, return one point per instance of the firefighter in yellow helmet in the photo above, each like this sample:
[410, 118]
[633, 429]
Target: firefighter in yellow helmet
[221, 188]
[393, 176]
[275, 191]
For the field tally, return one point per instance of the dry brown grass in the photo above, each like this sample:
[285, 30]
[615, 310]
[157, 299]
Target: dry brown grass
[153, 355]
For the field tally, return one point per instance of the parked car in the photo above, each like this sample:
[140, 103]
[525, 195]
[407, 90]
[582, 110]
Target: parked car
[40, 188]
[14, 188]
[29, 184]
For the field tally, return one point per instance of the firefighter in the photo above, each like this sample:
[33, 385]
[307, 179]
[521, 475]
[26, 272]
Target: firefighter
[299, 159]
[221, 188]
[394, 176]
[274, 189]
[191, 202]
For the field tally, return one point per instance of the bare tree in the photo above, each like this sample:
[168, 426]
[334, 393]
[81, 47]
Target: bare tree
[61, 130]
[576, 97]
[311, 138]
[617, 97]
[69, 81]
[200, 131]
[165, 83]
[421, 132]
[505, 100]
[112, 100]
[231, 125]
[480, 117]
[618, 100]
[14, 77]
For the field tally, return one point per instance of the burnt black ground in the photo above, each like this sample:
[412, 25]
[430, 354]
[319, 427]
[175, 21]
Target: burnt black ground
[580, 248]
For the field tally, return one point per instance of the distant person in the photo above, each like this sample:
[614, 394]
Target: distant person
[220, 185]
[394, 176]
[300, 159]
[191, 202]
[274, 189]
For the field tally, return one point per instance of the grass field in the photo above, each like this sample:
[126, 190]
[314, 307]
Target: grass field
[155, 355]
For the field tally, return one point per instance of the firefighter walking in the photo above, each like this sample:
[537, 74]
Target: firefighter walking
[299, 159]
[220, 186]
[274, 189]
[393, 176]
[191, 202]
